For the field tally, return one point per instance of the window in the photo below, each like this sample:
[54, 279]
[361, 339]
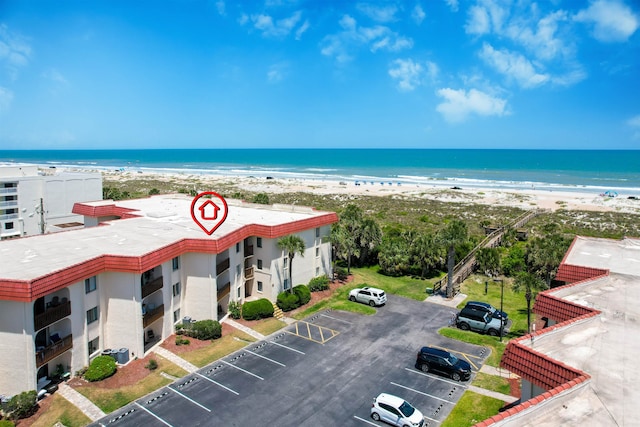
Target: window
[92, 315]
[176, 315]
[284, 263]
[259, 242]
[317, 252]
[176, 289]
[90, 284]
[237, 247]
[237, 270]
[238, 292]
[94, 345]
[317, 271]
[259, 264]
[259, 286]
[318, 232]
[175, 263]
[286, 284]
[8, 226]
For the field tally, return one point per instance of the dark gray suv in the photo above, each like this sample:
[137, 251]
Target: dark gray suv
[481, 321]
[436, 360]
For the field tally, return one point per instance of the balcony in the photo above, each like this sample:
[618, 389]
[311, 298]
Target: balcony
[224, 291]
[8, 203]
[9, 216]
[9, 190]
[248, 251]
[152, 315]
[51, 315]
[53, 350]
[152, 286]
[248, 273]
[221, 267]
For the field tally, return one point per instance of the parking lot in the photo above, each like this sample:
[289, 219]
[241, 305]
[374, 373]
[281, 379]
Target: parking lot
[322, 371]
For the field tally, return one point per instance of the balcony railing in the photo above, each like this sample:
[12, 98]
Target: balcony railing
[9, 190]
[51, 315]
[224, 291]
[9, 216]
[151, 287]
[152, 315]
[223, 266]
[54, 350]
[248, 273]
[6, 203]
[248, 251]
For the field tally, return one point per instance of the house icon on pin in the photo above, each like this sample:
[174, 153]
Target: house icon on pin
[209, 210]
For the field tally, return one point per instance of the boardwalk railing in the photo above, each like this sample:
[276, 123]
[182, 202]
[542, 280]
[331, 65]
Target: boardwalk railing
[467, 265]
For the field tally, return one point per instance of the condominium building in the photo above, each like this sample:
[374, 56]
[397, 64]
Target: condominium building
[136, 269]
[37, 201]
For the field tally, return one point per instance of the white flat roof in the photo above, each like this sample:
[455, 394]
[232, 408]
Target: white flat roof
[165, 220]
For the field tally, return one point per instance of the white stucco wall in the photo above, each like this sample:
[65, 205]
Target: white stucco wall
[120, 322]
[199, 290]
[16, 372]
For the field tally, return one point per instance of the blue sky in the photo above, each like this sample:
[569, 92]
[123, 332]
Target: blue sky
[287, 73]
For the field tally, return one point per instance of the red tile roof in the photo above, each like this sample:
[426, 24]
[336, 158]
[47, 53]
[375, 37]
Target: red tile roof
[575, 273]
[557, 309]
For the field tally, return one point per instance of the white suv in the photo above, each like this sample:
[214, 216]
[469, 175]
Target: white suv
[371, 296]
[395, 411]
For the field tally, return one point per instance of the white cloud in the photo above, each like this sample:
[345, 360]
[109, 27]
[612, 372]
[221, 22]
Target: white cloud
[453, 5]
[14, 51]
[459, 104]
[417, 14]
[279, 28]
[243, 19]
[634, 123]
[6, 98]
[543, 41]
[407, 73]
[220, 7]
[55, 76]
[376, 38]
[513, 65]
[301, 30]
[486, 16]
[612, 21]
[378, 13]
[277, 72]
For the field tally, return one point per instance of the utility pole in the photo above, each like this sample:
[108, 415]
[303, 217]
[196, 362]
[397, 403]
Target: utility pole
[42, 224]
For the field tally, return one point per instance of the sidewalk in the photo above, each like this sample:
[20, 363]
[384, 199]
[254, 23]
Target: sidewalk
[493, 394]
[243, 328]
[497, 371]
[81, 402]
[174, 358]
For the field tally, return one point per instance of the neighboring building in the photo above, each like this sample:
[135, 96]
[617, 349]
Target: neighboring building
[143, 267]
[582, 368]
[38, 201]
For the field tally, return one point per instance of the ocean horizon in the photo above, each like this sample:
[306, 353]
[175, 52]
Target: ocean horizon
[553, 170]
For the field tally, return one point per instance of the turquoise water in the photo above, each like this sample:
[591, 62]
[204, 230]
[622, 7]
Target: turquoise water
[543, 169]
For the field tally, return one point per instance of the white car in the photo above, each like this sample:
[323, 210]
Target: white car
[395, 411]
[371, 296]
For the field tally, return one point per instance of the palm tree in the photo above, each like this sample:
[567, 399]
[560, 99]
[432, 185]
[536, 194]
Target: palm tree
[453, 234]
[292, 244]
[531, 285]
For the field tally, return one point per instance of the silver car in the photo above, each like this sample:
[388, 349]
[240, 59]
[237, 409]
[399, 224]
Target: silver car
[367, 295]
[395, 411]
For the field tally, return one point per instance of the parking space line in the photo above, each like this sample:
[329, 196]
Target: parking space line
[364, 421]
[266, 358]
[190, 399]
[467, 356]
[436, 377]
[335, 318]
[321, 330]
[423, 393]
[243, 370]
[288, 348]
[153, 415]
[218, 384]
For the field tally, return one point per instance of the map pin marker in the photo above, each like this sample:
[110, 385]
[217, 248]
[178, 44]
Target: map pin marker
[210, 212]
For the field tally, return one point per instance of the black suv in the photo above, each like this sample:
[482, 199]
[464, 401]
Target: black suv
[479, 305]
[436, 360]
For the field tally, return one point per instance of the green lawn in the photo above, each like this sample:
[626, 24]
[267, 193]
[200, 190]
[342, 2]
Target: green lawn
[492, 382]
[405, 286]
[62, 411]
[471, 409]
[221, 347]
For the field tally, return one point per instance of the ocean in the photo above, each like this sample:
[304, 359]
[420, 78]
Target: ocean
[554, 170]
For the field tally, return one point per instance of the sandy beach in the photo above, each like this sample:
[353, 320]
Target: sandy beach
[521, 198]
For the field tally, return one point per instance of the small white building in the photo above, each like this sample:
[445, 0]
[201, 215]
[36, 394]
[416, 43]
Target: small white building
[137, 269]
[37, 201]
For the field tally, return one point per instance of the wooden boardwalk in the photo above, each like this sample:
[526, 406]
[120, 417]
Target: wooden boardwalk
[467, 265]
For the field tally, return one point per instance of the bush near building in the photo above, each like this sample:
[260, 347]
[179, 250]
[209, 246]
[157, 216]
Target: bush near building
[259, 309]
[100, 368]
[288, 301]
[320, 283]
[235, 309]
[303, 293]
[22, 405]
[200, 330]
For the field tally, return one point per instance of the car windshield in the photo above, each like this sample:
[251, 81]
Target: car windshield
[406, 409]
[452, 359]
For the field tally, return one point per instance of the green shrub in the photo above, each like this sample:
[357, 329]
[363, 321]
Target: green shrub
[303, 293]
[340, 273]
[23, 405]
[252, 310]
[100, 368]
[235, 310]
[152, 365]
[182, 341]
[6, 423]
[261, 198]
[320, 283]
[204, 330]
[288, 301]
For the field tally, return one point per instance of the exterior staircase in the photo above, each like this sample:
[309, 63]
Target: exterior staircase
[277, 313]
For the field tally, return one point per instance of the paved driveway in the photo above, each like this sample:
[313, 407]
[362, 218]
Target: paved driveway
[322, 371]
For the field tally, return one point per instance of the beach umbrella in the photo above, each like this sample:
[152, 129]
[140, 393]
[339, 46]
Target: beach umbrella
[611, 193]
